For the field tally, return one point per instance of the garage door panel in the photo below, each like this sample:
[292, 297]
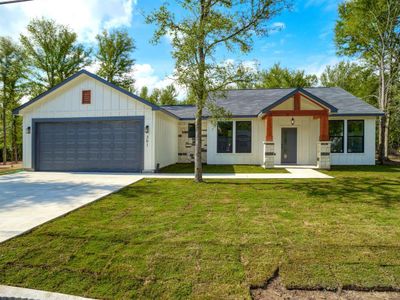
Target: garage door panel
[101, 145]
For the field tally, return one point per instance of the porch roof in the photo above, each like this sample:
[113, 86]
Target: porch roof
[252, 102]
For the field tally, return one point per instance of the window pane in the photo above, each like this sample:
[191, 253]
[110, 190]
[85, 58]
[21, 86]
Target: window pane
[336, 128]
[191, 130]
[337, 144]
[355, 144]
[224, 137]
[243, 137]
[336, 133]
[355, 128]
[355, 136]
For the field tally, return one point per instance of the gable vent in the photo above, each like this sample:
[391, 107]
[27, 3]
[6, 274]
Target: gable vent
[86, 97]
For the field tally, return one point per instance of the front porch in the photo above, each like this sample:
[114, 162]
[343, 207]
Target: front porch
[297, 133]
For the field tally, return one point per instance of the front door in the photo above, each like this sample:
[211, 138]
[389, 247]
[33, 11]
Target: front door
[289, 146]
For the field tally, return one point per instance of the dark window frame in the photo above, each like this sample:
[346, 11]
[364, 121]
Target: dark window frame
[249, 150]
[356, 136]
[337, 136]
[191, 130]
[219, 147]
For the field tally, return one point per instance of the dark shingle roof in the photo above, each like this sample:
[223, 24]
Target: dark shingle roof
[249, 103]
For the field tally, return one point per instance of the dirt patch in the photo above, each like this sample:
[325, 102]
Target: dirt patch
[275, 290]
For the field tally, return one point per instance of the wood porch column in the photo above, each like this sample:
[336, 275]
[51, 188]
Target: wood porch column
[268, 128]
[324, 128]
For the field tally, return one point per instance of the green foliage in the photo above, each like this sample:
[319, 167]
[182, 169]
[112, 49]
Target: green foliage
[201, 29]
[115, 57]
[355, 78]
[53, 54]
[12, 74]
[163, 96]
[279, 77]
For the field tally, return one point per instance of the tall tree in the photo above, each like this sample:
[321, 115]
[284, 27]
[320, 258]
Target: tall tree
[115, 57]
[12, 72]
[168, 95]
[370, 29]
[357, 79]
[202, 28]
[278, 77]
[53, 53]
[144, 93]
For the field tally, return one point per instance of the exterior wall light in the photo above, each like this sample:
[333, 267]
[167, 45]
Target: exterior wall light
[147, 129]
[28, 130]
[292, 122]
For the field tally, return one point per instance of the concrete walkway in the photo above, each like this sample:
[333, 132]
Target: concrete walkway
[293, 174]
[22, 293]
[28, 199]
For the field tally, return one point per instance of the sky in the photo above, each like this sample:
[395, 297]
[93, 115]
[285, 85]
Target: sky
[303, 38]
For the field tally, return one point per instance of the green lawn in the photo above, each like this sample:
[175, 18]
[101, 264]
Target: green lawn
[9, 171]
[162, 238]
[189, 168]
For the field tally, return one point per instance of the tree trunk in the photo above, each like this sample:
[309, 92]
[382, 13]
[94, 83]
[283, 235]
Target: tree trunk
[381, 147]
[4, 135]
[198, 167]
[14, 139]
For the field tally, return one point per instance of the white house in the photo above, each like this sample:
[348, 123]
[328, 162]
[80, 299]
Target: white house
[88, 124]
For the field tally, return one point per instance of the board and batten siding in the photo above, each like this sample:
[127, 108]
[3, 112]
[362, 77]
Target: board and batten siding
[257, 146]
[66, 102]
[366, 158]
[166, 139]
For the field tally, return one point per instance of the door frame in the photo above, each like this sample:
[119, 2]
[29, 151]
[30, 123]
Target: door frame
[37, 121]
[297, 143]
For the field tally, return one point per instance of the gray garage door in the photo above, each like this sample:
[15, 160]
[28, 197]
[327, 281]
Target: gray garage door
[101, 145]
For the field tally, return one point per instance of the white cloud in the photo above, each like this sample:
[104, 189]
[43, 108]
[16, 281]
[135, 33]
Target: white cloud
[87, 17]
[277, 27]
[144, 75]
[316, 64]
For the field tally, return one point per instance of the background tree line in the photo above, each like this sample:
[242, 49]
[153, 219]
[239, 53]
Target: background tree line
[49, 53]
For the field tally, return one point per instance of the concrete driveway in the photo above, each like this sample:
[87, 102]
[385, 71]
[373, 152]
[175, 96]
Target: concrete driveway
[28, 199]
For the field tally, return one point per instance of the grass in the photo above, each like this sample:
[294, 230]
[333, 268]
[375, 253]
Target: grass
[9, 171]
[189, 168]
[163, 238]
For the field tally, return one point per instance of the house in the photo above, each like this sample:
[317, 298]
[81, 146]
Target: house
[88, 124]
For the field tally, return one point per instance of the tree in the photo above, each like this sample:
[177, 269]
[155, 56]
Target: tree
[168, 95]
[53, 54]
[278, 77]
[144, 93]
[370, 30]
[115, 56]
[12, 72]
[202, 28]
[357, 79]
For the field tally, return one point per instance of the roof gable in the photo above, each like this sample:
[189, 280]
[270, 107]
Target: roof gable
[95, 77]
[303, 92]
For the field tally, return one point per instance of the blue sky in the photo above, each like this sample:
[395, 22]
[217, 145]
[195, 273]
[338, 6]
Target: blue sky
[305, 40]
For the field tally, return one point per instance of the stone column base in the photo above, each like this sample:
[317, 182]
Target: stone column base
[324, 155]
[269, 155]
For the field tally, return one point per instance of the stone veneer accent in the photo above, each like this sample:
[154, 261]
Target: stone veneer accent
[269, 155]
[186, 145]
[324, 155]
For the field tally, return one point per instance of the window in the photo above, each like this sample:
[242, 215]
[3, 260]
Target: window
[355, 136]
[86, 96]
[243, 137]
[191, 130]
[224, 137]
[336, 133]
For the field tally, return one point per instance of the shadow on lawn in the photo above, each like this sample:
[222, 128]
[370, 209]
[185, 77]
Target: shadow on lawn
[384, 192]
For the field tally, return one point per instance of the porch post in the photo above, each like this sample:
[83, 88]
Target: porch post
[269, 146]
[324, 144]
